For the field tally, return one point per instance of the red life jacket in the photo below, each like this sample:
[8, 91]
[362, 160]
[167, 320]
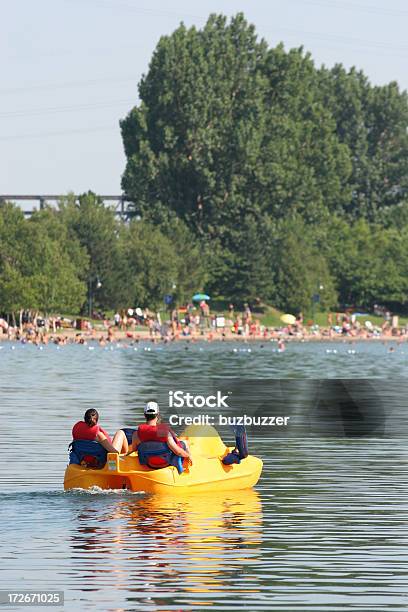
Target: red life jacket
[154, 433]
[82, 431]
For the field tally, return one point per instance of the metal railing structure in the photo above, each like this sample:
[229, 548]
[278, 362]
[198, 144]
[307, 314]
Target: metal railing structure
[30, 203]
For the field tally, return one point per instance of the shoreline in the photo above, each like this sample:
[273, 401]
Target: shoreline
[73, 336]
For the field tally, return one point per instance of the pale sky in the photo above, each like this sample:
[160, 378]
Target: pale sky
[70, 70]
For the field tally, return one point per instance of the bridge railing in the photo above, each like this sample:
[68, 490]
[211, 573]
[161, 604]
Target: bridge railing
[121, 203]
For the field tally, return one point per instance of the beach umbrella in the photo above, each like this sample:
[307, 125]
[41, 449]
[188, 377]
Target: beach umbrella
[200, 296]
[288, 319]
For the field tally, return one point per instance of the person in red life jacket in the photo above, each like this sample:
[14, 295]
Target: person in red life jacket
[155, 431]
[88, 429]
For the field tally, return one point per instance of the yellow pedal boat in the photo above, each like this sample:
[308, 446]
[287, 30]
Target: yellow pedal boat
[207, 473]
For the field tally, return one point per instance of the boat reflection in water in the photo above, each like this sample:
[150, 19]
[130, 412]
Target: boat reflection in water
[156, 550]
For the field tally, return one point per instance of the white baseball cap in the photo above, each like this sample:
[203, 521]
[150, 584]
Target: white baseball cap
[151, 408]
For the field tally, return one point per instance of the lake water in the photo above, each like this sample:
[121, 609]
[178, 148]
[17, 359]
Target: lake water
[325, 529]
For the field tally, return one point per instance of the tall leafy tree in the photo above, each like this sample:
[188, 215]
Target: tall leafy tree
[248, 262]
[192, 258]
[149, 268]
[227, 127]
[16, 291]
[53, 224]
[301, 270]
[304, 166]
[95, 227]
[369, 263]
[36, 270]
[228, 130]
[372, 122]
[195, 135]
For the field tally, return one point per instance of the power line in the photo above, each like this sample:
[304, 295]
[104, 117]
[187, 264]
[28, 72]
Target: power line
[60, 133]
[68, 84]
[353, 6]
[62, 109]
[115, 4]
[72, 50]
[331, 4]
[331, 38]
[347, 40]
[341, 40]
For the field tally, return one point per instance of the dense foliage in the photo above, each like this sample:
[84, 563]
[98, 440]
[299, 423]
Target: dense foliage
[290, 177]
[38, 264]
[51, 261]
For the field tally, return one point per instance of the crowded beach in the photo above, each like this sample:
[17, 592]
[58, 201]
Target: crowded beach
[193, 324]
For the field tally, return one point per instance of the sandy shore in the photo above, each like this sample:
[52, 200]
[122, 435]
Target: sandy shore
[144, 335]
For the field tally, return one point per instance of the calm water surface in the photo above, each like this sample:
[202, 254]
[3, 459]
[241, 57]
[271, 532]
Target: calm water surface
[325, 529]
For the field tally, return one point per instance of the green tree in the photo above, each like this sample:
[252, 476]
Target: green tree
[304, 167]
[52, 274]
[189, 142]
[372, 122]
[191, 257]
[247, 262]
[227, 131]
[214, 139]
[369, 263]
[53, 224]
[36, 270]
[15, 291]
[95, 227]
[301, 271]
[150, 265]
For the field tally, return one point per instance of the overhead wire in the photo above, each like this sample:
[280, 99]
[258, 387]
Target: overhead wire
[62, 109]
[77, 131]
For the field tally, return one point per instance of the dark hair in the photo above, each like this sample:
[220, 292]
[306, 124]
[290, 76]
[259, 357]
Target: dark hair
[150, 417]
[91, 417]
